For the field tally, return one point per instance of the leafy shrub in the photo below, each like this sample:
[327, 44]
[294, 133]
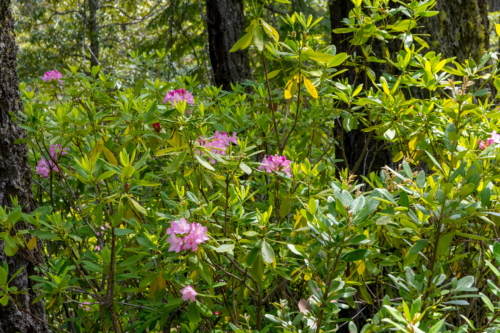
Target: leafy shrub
[235, 211]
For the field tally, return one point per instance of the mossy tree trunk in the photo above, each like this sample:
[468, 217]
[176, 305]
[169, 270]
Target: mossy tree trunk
[226, 23]
[15, 181]
[461, 29]
[94, 32]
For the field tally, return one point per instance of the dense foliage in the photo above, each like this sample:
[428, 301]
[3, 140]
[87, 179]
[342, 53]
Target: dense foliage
[172, 206]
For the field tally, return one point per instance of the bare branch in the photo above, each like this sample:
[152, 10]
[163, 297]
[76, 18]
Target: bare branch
[145, 17]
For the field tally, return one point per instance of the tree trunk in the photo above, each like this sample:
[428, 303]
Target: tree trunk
[339, 9]
[494, 5]
[94, 32]
[363, 153]
[226, 23]
[15, 181]
[461, 29]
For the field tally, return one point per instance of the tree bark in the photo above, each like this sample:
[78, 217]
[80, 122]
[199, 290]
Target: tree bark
[226, 23]
[461, 29]
[15, 181]
[339, 9]
[494, 5]
[363, 153]
[94, 32]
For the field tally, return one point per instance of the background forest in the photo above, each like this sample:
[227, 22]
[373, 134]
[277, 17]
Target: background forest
[249, 166]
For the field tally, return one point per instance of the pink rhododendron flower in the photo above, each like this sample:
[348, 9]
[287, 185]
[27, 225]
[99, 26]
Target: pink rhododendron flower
[218, 143]
[175, 244]
[85, 305]
[52, 75]
[44, 166]
[193, 235]
[197, 235]
[188, 293]
[276, 163]
[156, 127]
[57, 150]
[494, 138]
[180, 227]
[179, 95]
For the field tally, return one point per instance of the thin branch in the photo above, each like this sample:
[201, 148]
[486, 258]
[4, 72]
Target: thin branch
[148, 15]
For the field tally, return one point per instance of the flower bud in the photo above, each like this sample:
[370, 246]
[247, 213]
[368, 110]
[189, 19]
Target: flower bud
[156, 127]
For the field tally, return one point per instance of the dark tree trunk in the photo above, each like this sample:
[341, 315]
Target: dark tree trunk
[94, 32]
[15, 181]
[494, 5]
[363, 153]
[226, 23]
[461, 29]
[339, 9]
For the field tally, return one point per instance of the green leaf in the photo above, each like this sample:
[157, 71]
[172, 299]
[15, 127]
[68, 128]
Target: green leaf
[270, 31]
[407, 170]
[485, 197]
[472, 236]
[258, 38]
[273, 73]
[356, 255]
[444, 243]
[267, 252]
[245, 168]
[176, 163]
[131, 260]
[137, 206]
[487, 302]
[106, 175]
[437, 326]
[493, 268]
[395, 313]
[496, 252]
[146, 242]
[421, 179]
[434, 161]
[315, 289]
[225, 248]
[338, 59]
[419, 246]
[193, 313]
[258, 269]
[3, 276]
[243, 42]
[123, 232]
[251, 233]
[404, 25]
[4, 300]
[204, 163]
[13, 217]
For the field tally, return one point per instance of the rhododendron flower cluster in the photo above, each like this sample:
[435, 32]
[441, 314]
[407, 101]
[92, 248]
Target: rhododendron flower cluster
[495, 138]
[179, 95]
[44, 166]
[52, 75]
[193, 234]
[276, 163]
[218, 144]
[188, 293]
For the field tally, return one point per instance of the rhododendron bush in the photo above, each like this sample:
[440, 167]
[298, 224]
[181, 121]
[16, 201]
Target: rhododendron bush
[170, 206]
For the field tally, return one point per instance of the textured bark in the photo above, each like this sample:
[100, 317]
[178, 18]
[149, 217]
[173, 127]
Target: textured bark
[494, 5]
[94, 32]
[226, 23]
[15, 181]
[461, 29]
